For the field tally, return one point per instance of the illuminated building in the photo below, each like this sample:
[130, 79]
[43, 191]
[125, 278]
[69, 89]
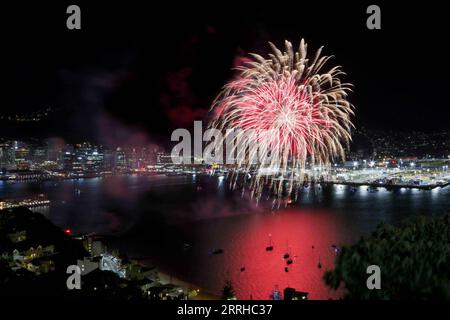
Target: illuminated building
[163, 158]
[7, 156]
[120, 159]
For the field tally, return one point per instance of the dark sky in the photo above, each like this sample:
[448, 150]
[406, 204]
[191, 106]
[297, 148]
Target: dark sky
[138, 69]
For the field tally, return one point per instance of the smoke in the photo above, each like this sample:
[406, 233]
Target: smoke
[113, 133]
[178, 99]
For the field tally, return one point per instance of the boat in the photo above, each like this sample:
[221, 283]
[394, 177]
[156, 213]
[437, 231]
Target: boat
[287, 255]
[270, 246]
[216, 251]
[335, 248]
[290, 261]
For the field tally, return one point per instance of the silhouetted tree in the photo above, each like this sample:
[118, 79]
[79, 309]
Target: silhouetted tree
[228, 291]
[414, 260]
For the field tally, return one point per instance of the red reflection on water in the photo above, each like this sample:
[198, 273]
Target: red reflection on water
[307, 237]
[306, 234]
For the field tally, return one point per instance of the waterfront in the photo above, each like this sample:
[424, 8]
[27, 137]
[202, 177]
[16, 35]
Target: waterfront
[152, 217]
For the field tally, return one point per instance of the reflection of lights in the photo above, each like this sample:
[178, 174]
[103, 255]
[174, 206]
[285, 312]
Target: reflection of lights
[372, 164]
[435, 190]
[221, 178]
[339, 190]
[363, 190]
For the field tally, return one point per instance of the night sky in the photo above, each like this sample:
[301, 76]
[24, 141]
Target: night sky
[136, 72]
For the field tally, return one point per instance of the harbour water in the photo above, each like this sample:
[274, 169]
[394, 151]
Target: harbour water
[175, 223]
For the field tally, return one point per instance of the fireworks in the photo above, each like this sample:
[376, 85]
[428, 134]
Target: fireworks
[291, 113]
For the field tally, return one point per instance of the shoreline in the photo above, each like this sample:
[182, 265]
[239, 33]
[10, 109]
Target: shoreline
[388, 186]
[202, 294]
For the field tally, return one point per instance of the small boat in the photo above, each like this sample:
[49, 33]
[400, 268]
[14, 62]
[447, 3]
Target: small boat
[287, 254]
[319, 265]
[217, 251]
[270, 246]
[335, 248]
[289, 261]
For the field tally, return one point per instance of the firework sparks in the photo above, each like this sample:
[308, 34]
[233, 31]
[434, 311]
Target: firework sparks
[291, 113]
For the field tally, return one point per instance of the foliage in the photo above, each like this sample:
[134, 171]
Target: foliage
[414, 260]
[228, 291]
